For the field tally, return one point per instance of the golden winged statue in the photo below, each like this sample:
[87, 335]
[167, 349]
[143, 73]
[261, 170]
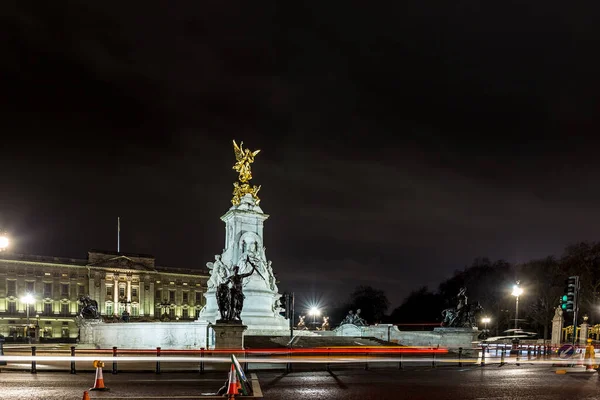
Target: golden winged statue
[244, 157]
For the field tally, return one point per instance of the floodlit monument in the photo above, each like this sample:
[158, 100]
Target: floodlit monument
[244, 248]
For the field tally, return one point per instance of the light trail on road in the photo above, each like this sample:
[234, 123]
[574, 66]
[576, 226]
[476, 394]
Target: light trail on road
[280, 360]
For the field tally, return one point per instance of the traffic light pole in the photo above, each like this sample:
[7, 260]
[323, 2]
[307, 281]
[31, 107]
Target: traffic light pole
[290, 303]
[575, 309]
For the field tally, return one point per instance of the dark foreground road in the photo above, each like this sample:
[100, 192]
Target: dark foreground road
[470, 383]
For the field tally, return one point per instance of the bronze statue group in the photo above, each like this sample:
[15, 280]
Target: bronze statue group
[230, 300]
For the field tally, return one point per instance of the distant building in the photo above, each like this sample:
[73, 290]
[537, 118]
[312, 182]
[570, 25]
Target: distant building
[117, 281]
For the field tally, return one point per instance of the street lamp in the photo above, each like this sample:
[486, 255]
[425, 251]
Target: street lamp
[517, 291]
[485, 320]
[28, 299]
[315, 312]
[4, 242]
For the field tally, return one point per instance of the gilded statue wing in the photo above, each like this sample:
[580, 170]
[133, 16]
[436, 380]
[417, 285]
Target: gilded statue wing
[255, 152]
[239, 153]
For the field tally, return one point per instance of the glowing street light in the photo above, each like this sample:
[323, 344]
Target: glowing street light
[485, 320]
[28, 299]
[517, 291]
[315, 312]
[4, 242]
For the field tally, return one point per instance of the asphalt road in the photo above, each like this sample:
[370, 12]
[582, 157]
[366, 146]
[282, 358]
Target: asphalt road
[467, 383]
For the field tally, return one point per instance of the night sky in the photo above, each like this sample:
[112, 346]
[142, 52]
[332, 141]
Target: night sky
[399, 141]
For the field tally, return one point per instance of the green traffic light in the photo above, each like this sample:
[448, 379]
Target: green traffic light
[564, 306]
[564, 298]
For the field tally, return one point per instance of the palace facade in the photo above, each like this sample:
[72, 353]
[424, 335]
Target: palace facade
[117, 281]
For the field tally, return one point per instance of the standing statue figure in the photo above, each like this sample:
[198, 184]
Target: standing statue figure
[218, 270]
[236, 296]
[224, 300]
[89, 309]
[325, 324]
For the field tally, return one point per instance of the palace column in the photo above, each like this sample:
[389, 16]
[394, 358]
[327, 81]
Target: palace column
[116, 295]
[128, 305]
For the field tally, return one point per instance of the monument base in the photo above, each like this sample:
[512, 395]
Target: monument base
[229, 335]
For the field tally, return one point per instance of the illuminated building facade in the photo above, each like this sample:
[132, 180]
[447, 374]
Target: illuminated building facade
[117, 281]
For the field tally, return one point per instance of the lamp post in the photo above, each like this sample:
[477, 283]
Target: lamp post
[517, 291]
[27, 299]
[315, 312]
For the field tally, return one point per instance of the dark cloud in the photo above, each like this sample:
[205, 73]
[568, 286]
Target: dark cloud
[400, 140]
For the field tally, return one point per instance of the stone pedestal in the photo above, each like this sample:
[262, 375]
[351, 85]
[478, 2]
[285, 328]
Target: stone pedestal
[583, 333]
[557, 324]
[229, 335]
[244, 238]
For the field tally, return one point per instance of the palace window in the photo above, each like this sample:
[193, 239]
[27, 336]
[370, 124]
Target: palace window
[134, 291]
[12, 307]
[184, 313]
[135, 310]
[172, 313]
[81, 289]
[64, 309]
[121, 291]
[11, 288]
[109, 308]
[47, 289]
[109, 291]
[172, 296]
[47, 308]
[64, 290]
[198, 297]
[185, 297]
[29, 287]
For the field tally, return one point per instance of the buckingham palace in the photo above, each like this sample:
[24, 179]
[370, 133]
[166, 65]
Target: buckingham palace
[42, 293]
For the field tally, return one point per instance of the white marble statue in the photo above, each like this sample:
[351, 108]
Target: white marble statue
[218, 272]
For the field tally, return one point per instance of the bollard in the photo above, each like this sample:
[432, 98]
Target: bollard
[518, 355]
[529, 353]
[496, 350]
[2, 349]
[114, 368]
[400, 362]
[433, 360]
[202, 360]
[73, 360]
[33, 364]
[483, 356]
[502, 358]
[158, 362]
[327, 365]
[460, 356]
[366, 362]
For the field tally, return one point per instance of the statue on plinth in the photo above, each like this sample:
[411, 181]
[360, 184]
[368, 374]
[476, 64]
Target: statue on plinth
[325, 324]
[354, 319]
[219, 272]
[301, 324]
[464, 315]
[231, 299]
[244, 158]
[89, 309]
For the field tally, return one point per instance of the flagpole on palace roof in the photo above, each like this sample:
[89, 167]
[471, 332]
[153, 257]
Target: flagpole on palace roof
[118, 234]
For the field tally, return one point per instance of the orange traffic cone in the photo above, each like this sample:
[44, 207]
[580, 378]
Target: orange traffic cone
[232, 388]
[86, 396]
[99, 384]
